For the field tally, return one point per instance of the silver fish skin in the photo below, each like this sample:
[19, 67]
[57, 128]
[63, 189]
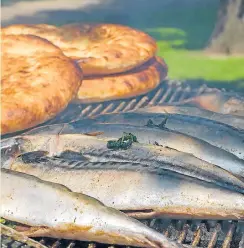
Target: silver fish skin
[53, 210]
[232, 120]
[141, 194]
[221, 102]
[164, 137]
[215, 133]
[151, 158]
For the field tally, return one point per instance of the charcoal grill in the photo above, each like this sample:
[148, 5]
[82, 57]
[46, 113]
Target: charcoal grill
[197, 233]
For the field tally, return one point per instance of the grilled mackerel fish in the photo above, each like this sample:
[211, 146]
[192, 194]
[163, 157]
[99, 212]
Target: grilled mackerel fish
[220, 102]
[232, 120]
[216, 133]
[53, 210]
[139, 193]
[151, 135]
[152, 158]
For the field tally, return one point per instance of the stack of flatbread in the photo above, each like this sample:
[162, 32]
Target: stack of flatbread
[45, 67]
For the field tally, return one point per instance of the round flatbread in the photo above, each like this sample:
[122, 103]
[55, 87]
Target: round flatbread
[135, 82]
[37, 81]
[100, 49]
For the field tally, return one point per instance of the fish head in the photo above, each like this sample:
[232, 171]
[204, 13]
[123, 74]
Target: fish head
[10, 149]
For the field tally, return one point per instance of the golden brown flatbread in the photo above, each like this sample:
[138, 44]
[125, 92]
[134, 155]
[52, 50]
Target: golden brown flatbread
[100, 49]
[135, 82]
[37, 81]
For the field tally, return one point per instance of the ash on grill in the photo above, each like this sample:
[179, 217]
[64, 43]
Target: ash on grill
[204, 234]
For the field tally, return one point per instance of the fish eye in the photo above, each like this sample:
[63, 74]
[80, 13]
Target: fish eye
[10, 150]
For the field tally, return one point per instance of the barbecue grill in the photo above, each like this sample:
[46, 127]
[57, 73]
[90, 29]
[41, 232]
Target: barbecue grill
[197, 233]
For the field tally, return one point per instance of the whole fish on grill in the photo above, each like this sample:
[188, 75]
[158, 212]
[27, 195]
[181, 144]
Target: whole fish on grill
[149, 135]
[220, 102]
[139, 193]
[151, 158]
[216, 133]
[53, 210]
[232, 120]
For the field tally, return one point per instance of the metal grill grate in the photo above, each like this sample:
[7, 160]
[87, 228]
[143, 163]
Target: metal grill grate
[167, 92]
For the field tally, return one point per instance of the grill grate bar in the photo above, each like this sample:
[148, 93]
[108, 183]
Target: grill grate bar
[71, 244]
[229, 236]
[183, 234]
[241, 244]
[56, 244]
[197, 236]
[92, 245]
[214, 237]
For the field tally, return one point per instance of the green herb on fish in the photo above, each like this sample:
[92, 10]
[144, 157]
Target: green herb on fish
[124, 142]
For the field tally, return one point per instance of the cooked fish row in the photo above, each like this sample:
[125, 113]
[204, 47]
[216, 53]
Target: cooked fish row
[216, 133]
[138, 192]
[232, 120]
[151, 135]
[53, 210]
[150, 158]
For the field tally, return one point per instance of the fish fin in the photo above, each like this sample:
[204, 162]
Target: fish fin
[30, 157]
[94, 133]
[140, 214]
[150, 123]
[72, 155]
[163, 123]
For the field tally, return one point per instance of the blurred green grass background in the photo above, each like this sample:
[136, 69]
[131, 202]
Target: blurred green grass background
[191, 64]
[181, 42]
